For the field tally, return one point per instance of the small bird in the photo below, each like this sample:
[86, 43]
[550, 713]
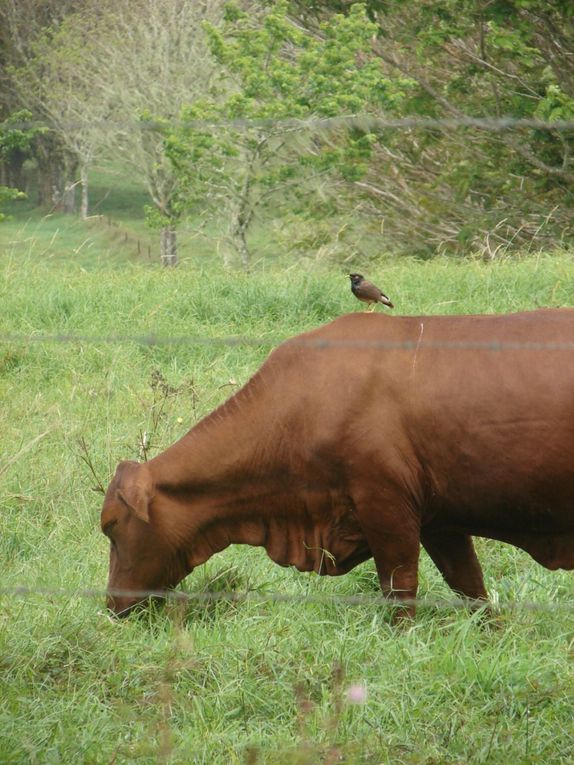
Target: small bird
[368, 292]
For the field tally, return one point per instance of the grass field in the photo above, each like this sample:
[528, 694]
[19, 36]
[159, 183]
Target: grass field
[252, 682]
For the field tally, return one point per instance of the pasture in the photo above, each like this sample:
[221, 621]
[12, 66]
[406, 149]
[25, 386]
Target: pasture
[257, 681]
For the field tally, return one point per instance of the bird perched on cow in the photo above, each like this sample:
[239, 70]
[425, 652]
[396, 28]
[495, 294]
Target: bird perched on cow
[367, 291]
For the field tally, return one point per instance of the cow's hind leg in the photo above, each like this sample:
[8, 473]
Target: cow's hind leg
[453, 554]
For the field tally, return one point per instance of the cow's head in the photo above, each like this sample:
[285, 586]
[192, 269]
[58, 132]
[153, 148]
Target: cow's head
[141, 559]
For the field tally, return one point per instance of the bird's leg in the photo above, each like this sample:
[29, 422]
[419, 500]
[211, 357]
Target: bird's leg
[372, 307]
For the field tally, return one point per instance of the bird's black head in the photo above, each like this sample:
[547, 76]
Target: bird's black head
[356, 278]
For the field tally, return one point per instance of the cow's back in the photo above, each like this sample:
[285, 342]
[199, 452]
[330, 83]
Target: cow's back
[474, 412]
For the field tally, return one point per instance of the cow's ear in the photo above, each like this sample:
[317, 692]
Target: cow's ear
[134, 490]
[137, 501]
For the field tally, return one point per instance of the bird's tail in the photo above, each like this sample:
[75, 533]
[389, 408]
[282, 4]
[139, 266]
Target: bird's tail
[387, 302]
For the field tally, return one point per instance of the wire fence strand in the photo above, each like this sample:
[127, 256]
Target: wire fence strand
[234, 596]
[304, 342]
[356, 121]
[306, 598]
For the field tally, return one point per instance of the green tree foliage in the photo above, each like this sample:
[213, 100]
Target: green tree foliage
[16, 145]
[455, 190]
[102, 70]
[275, 77]
[283, 65]
[463, 190]
[8, 194]
[59, 86]
[25, 27]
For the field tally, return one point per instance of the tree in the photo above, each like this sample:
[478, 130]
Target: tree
[16, 145]
[468, 189]
[105, 75]
[7, 194]
[279, 77]
[22, 24]
[145, 60]
[54, 80]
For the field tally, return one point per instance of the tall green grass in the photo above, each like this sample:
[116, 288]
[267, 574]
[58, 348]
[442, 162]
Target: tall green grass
[259, 682]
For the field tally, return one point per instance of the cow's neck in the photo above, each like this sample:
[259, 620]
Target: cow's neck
[238, 442]
[233, 479]
[223, 482]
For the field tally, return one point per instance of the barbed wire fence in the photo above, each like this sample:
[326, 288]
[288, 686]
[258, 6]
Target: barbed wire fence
[493, 345]
[316, 344]
[498, 230]
[298, 598]
[490, 346]
[360, 121]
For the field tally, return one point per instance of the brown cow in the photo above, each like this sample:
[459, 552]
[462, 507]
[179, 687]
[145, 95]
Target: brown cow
[368, 437]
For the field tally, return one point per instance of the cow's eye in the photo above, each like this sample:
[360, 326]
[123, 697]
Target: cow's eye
[108, 526]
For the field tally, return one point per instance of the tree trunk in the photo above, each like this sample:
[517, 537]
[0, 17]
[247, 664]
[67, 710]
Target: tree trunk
[68, 202]
[44, 175]
[46, 185]
[168, 245]
[243, 215]
[55, 169]
[49, 171]
[227, 258]
[84, 190]
[242, 248]
[13, 174]
[240, 224]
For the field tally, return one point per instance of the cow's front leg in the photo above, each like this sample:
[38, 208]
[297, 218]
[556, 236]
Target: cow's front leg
[453, 554]
[393, 534]
[398, 579]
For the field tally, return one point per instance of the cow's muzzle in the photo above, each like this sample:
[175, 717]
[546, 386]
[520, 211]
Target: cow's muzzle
[122, 605]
